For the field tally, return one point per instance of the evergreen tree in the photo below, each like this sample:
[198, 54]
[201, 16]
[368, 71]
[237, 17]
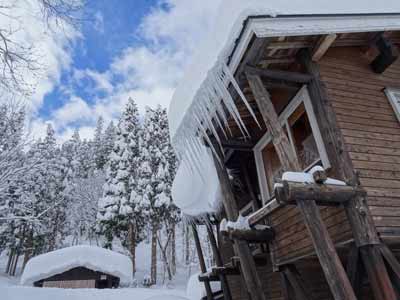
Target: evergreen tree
[117, 212]
[99, 155]
[156, 171]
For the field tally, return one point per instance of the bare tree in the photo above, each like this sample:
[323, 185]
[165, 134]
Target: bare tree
[19, 58]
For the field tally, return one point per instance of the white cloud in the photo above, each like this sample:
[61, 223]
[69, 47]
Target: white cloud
[98, 24]
[148, 73]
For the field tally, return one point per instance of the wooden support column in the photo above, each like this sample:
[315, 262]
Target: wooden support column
[323, 245]
[203, 267]
[247, 264]
[357, 211]
[219, 262]
[301, 291]
[354, 269]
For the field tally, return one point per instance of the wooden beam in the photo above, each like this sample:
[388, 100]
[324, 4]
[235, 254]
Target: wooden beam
[202, 263]
[354, 269]
[323, 245]
[250, 235]
[378, 276]
[238, 145]
[290, 192]
[263, 212]
[242, 249]
[288, 76]
[387, 56]
[322, 46]
[253, 55]
[301, 291]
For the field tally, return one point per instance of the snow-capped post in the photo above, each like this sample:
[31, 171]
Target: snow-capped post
[334, 272]
[357, 211]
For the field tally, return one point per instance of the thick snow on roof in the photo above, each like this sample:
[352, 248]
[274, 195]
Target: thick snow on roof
[91, 257]
[196, 188]
[219, 44]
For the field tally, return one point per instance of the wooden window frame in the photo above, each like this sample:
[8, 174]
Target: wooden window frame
[302, 97]
[393, 95]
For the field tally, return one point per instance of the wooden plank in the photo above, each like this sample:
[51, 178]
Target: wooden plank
[322, 46]
[333, 269]
[278, 74]
[250, 235]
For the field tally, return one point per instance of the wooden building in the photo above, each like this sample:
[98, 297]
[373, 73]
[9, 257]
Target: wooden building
[315, 87]
[78, 267]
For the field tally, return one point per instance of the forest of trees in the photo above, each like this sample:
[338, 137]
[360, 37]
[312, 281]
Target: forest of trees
[112, 189]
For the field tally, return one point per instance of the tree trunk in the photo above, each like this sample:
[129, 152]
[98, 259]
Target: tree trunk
[173, 248]
[153, 270]
[187, 246]
[132, 246]
[28, 249]
[10, 259]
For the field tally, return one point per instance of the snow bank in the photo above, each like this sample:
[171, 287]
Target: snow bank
[94, 258]
[195, 289]
[20, 293]
[196, 189]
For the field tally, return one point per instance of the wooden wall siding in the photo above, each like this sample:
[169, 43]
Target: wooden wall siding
[71, 284]
[370, 128]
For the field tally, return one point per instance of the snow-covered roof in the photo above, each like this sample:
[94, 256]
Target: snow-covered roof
[203, 81]
[91, 257]
[196, 188]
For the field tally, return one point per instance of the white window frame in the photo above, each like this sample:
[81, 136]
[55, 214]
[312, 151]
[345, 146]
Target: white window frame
[301, 97]
[393, 95]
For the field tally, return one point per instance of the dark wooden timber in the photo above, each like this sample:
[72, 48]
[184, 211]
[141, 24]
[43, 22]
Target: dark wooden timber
[324, 247]
[354, 269]
[238, 145]
[253, 55]
[388, 54]
[278, 74]
[202, 263]
[219, 262]
[322, 46]
[301, 291]
[247, 264]
[250, 235]
[357, 211]
[244, 170]
[290, 192]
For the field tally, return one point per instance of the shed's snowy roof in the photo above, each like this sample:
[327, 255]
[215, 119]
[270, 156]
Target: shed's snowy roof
[93, 258]
[196, 188]
[219, 44]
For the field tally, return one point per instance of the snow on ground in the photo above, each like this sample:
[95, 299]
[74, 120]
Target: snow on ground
[91, 257]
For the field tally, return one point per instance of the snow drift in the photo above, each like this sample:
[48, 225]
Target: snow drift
[93, 258]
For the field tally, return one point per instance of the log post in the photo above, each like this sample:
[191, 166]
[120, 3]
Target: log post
[219, 262]
[203, 267]
[293, 277]
[324, 247]
[247, 264]
[357, 211]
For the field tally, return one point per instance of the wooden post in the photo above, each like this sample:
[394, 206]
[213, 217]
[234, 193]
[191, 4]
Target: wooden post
[324, 247]
[219, 262]
[357, 211]
[203, 267]
[247, 264]
[354, 269]
[301, 291]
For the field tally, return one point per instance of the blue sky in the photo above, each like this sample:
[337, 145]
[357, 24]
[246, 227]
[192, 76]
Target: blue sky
[126, 48]
[111, 27]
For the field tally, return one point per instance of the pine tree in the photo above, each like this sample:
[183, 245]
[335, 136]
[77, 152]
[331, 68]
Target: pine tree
[156, 171]
[117, 212]
[99, 155]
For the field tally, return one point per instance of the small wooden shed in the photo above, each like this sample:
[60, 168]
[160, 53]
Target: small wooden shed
[78, 267]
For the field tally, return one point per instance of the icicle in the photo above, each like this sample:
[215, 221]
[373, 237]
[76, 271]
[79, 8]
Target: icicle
[210, 123]
[220, 109]
[208, 140]
[232, 79]
[211, 111]
[230, 104]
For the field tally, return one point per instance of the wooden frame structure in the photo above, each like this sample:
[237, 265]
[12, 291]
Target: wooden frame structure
[333, 231]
